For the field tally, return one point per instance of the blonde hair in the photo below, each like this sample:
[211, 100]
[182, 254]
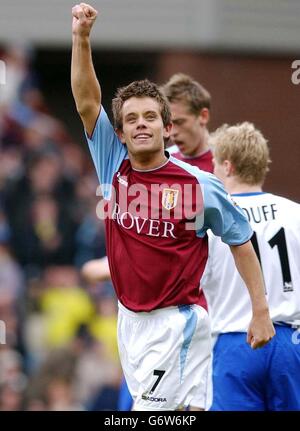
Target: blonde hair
[246, 148]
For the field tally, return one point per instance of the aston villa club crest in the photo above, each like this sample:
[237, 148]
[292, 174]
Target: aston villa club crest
[169, 198]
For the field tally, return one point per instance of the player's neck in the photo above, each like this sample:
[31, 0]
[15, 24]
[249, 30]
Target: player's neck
[148, 162]
[234, 187]
[202, 147]
[200, 150]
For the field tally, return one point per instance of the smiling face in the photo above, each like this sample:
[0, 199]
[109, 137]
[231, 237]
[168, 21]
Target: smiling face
[143, 131]
[189, 130]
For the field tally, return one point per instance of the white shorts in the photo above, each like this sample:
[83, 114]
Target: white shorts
[165, 355]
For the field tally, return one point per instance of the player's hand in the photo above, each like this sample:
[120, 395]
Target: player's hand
[261, 330]
[84, 17]
[96, 270]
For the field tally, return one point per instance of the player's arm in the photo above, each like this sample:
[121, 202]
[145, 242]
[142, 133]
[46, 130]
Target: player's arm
[261, 329]
[96, 270]
[85, 86]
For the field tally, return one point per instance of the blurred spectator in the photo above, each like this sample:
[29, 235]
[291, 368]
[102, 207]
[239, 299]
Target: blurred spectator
[105, 399]
[65, 305]
[90, 239]
[98, 370]
[40, 206]
[94, 371]
[38, 134]
[11, 165]
[74, 162]
[60, 351]
[11, 367]
[90, 235]
[11, 396]
[103, 327]
[58, 367]
[60, 396]
[17, 60]
[12, 380]
[11, 288]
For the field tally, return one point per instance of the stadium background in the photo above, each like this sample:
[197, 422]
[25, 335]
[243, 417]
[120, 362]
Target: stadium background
[59, 351]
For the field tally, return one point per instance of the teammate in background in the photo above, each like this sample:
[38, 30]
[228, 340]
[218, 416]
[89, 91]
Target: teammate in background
[190, 111]
[159, 320]
[243, 379]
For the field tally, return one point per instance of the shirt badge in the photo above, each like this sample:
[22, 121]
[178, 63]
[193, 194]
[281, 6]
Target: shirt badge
[169, 198]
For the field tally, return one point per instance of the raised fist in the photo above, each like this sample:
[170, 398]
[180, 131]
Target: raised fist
[84, 17]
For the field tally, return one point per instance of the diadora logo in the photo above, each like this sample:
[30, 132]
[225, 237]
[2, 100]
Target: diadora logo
[146, 397]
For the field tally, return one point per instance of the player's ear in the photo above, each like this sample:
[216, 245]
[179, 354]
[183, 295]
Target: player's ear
[167, 131]
[229, 168]
[121, 136]
[204, 116]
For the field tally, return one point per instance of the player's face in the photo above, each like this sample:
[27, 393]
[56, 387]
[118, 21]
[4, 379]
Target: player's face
[188, 130]
[143, 129]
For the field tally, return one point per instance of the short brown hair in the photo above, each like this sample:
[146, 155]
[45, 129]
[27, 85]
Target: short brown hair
[144, 88]
[183, 88]
[246, 148]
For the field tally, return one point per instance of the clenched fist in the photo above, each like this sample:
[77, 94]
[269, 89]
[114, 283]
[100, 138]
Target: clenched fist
[84, 17]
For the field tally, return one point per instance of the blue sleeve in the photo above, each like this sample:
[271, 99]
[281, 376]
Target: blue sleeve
[221, 214]
[106, 149]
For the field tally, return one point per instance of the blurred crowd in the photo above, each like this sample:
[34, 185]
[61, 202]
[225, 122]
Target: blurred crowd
[60, 349]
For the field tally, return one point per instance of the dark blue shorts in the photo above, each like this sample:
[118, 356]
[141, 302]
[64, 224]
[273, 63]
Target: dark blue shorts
[263, 379]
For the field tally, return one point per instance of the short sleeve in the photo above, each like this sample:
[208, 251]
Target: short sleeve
[221, 214]
[106, 149]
